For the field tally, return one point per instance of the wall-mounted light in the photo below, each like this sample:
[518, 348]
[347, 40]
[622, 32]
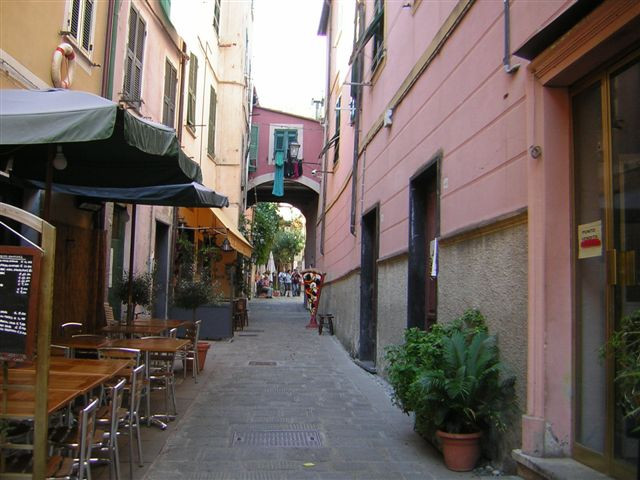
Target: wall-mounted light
[294, 148]
[315, 172]
[59, 160]
[226, 245]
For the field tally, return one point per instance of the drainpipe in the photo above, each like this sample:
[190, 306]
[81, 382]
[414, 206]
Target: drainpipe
[356, 143]
[506, 60]
[326, 136]
[174, 227]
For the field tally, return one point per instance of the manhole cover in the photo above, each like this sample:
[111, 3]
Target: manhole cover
[278, 438]
[263, 364]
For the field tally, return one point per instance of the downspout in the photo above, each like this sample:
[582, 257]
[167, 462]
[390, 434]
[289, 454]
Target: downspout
[326, 136]
[174, 230]
[356, 142]
[506, 60]
[106, 91]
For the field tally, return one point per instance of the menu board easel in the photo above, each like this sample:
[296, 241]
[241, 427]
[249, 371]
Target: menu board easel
[19, 286]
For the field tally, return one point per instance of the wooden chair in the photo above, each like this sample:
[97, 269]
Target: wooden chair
[108, 315]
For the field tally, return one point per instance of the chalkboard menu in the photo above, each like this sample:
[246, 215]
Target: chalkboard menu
[19, 285]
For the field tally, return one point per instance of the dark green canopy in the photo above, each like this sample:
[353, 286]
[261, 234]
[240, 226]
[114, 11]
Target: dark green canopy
[105, 145]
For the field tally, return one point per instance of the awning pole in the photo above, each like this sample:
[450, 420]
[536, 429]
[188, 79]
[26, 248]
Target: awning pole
[131, 252]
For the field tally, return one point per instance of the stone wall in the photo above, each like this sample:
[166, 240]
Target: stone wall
[489, 272]
[342, 298]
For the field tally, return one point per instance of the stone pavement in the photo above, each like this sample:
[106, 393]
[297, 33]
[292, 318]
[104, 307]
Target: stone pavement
[281, 402]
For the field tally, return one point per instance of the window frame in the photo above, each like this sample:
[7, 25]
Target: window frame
[377, 38]
[300, 139]
[78, 36]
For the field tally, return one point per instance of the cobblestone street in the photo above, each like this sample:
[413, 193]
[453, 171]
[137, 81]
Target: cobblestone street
[282, 402]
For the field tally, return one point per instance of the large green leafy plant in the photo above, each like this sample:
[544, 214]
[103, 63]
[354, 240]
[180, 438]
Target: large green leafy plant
[451, 377]
[625, 345]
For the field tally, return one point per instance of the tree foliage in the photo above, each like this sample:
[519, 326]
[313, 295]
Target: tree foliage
[287, 244]
[266, 222]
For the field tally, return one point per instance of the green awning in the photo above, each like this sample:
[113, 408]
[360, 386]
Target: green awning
[104, 145]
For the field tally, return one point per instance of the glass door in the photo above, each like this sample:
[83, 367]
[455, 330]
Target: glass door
[606, 138]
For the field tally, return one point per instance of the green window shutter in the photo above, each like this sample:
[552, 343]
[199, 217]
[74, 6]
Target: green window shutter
[191, 95]
[279, 140]
[378, 34]
[169, 97]
[211, 140]
[87, 20]
[216, 17]
[166, 7]
[253, 148]
[336, 148]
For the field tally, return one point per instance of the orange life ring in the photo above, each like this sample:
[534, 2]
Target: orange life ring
[64, 50]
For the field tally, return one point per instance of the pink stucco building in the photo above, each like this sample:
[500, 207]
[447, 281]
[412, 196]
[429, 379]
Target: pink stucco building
[272, 132]
[493, 136]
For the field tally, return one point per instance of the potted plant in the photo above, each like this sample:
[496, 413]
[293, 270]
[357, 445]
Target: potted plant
[451, 377]
[624, 344]
[142, 290]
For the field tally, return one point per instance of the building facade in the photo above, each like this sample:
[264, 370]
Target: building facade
[495, 137]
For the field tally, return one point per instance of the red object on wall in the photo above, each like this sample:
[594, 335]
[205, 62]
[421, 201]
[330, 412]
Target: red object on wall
[313, 281]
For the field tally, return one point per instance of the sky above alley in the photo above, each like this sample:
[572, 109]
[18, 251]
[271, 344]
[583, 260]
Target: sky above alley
[288, 55]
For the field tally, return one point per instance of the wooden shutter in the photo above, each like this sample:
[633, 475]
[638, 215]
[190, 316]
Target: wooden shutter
[211, 140]
[216, 17]
[139, 53]
[87, 20]
[74, 21]
[193, 83]
[253, 148]
[169, 98]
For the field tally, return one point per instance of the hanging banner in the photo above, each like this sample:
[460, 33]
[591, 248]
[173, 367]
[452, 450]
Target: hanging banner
[19, 283]
[590, 240]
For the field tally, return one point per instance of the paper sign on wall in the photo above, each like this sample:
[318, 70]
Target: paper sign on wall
[590, 240]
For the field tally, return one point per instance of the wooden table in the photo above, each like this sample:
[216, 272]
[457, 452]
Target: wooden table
[168, 324]
[81, 343]
[147, 345]
[136, 329]
[68, 379]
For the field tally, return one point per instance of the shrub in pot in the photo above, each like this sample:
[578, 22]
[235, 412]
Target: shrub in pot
[624, 344]
[451, 377]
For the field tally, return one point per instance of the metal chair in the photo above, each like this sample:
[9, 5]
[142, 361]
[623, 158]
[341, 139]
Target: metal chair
[192, 333]
[67, 330]
[161, 377]
[78, 441]
[111, 416]
[59, 351]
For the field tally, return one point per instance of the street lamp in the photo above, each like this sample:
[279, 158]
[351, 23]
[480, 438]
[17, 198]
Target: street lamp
[294, 148]
[226, 245]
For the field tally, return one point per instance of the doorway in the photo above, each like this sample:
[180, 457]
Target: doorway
[606, 131]
[369, 287]
[424, 227]
[161, 270]
[120, 218]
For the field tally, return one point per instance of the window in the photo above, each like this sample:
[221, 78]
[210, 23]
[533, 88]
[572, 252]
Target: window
[211, 140]
[253, 148]
[80, 23]
[378, 34]
[336, 150]
[216, 17]
[191, 95]
[132, 90]
[282, 138]
[169, 97]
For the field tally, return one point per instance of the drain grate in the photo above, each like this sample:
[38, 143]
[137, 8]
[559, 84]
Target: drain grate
[247, 334]
[263, 364]
[253, 330]
[277, 438]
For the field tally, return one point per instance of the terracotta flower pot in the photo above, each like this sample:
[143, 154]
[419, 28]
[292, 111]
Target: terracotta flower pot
[461, 450]
[203, 347]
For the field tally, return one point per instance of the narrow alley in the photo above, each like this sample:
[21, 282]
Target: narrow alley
[282, 402]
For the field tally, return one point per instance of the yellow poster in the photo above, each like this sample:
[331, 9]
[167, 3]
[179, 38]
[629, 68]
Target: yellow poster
[590, 240]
